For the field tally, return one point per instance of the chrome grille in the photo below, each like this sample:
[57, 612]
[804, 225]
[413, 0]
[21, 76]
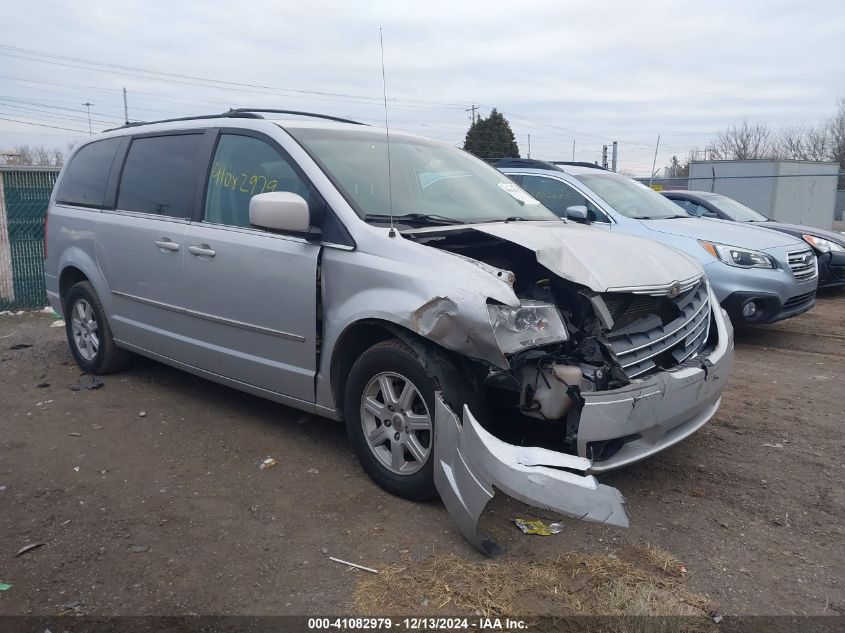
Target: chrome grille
[803, 267]
[638, 344]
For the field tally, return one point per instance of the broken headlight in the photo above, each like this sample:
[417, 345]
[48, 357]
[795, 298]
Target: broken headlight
[532, 324]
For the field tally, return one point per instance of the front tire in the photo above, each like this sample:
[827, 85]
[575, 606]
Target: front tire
[88, 332]
[389, 412]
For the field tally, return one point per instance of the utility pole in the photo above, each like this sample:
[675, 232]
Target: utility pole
[472, 109]
[88, 105]
[573, 150]
[654, 163]
[614, 156]
[529, 146]
[604, 156]
[125, 107]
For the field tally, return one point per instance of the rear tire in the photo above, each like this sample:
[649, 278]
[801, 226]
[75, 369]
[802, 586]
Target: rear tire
[389, 406]
[88, 333]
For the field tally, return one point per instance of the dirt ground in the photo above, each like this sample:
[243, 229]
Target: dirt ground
[167, 511]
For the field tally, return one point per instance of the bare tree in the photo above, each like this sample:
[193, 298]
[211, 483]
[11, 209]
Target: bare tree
[742, 142]
[836, 140]
[39, 155]
[802, 142]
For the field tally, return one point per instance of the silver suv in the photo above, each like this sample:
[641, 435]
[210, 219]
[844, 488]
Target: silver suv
[467, 337]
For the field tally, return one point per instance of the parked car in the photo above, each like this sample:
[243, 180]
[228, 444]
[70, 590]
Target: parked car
[758, 275]
[828, 246]
[468, 338]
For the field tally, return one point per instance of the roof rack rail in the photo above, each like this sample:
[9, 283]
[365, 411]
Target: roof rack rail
[524, 162]
[576, 163]
[314, 115]
[237, 113]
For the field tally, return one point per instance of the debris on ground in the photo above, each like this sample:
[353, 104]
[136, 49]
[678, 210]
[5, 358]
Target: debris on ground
[76, 468]
[536, 526]
[768, 445]
[268, 463]
[58, 323]
[28, 548]
[75, 604]
[142, 414]
[75, 434]
[93, 383]
[4, 586]
[138, 549]
[20, 346]
[313, 471]
[43, 385]
[355, 565]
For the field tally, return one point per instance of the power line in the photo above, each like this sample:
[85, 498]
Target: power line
[65, 60]
[42, 125]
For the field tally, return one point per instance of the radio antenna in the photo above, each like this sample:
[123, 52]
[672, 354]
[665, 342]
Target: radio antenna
[392, 232]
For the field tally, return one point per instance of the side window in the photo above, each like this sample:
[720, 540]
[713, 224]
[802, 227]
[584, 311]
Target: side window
[557, 196]
[160, 175]
[244, 166]
[689, 206]
[85, 178]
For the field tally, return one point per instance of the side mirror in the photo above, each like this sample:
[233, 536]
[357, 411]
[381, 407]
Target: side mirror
[577, 213]
[280, 211]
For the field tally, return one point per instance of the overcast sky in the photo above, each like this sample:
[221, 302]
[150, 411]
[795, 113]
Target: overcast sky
[592, 72]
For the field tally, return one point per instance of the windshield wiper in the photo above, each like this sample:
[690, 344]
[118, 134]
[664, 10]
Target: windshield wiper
[414, 218]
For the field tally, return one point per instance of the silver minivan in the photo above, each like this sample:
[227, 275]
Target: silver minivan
[467, 337]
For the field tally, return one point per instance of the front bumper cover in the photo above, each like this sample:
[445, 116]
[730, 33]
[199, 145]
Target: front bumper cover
[663, 410]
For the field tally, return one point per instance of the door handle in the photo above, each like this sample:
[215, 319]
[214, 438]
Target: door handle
[203, 250]
[167, 245]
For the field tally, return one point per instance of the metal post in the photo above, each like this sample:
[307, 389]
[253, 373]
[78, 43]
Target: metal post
[604, 156]
[614, 155]
[88, 105]
[125, 107]
[654, 163]
[573, 150]
[529, 146]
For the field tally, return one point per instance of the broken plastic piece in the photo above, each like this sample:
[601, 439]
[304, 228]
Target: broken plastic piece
[536, 526]
[470, 461]
[268, 463]
[5, 586]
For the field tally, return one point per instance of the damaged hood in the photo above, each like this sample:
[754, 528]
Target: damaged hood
[597, 258]
[722, 231]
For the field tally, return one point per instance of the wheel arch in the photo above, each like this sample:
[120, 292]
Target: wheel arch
[357, 337]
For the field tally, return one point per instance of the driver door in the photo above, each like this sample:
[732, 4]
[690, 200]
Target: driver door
[251, 294]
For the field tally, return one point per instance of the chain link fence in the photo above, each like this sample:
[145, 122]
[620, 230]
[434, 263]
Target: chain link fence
[24, 194]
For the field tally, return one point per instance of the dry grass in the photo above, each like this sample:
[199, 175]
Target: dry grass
[645, 581]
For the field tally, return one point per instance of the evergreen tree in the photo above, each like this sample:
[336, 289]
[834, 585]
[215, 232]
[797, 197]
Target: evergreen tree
[491, 138]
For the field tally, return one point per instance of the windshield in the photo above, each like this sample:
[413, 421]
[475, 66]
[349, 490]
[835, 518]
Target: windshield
[431, 183]
[631, 198]
[736, 211]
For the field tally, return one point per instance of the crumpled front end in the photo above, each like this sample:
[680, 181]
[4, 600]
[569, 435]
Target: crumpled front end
[610, 350]
[643, 418]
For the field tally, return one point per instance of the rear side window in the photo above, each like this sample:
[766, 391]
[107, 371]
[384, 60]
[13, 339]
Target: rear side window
[243, 167]
[86, 176]
[160, 175]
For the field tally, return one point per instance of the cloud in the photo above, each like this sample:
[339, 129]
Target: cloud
[559, 70]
